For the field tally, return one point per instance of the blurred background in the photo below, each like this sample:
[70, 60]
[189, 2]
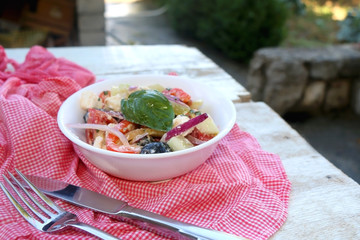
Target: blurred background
[306, 23]
[227, 31]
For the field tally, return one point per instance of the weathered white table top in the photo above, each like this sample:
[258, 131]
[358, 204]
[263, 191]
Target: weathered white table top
[324, 202]
[114, 61]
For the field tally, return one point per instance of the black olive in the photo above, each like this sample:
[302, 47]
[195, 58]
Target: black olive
[155, 147]
[86, 116]
[145, 140]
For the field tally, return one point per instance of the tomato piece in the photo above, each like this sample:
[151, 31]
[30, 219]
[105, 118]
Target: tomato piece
[125, 126]
[123, 149]
[114, 144]
[89, 134]
[104, 94]
[179, 93]
[111, 146]
[96, 116]
[201, 136]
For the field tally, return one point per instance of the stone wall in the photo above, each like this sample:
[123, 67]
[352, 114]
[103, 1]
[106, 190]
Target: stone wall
[303, 79]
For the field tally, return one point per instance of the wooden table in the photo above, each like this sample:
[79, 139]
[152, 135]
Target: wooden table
[112, 62]
[324, 202]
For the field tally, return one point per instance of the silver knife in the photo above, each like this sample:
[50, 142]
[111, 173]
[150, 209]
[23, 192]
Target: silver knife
[120, 210]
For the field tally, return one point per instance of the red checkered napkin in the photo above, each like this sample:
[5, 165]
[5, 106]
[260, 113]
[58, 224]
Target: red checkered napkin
[240, 189]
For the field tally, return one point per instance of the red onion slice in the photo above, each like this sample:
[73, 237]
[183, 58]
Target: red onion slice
[132, 88]
[183, 127]
[138, 137]
[101, 127]
[175, 99]
[115, 114]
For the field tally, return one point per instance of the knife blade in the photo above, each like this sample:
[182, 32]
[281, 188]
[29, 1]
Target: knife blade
[120, 210]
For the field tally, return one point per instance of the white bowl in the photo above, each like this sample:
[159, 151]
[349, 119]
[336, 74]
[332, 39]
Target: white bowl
[150, 167]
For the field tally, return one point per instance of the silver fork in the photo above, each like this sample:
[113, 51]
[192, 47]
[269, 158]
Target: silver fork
[51, 221]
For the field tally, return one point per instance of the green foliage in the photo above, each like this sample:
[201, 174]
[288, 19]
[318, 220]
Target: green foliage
[310, 30]
[350, 27]
[296, 6]
[236, 27]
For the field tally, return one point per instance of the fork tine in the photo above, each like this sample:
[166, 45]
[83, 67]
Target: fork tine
[52, 222]
[17, 205]
[44, 198]
[29, 205]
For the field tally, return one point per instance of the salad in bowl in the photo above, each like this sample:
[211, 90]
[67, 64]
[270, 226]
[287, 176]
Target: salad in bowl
[146, 127]
[144, 119]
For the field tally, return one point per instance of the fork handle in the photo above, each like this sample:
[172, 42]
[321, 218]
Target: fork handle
[94, 231]
[169, 227]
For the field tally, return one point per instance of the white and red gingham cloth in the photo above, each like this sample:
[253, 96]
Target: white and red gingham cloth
[240, 189]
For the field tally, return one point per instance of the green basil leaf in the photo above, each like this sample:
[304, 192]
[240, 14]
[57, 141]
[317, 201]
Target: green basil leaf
[149, 108]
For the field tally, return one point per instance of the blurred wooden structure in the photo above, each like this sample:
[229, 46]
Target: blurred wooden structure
[53, 16]
[24, 23]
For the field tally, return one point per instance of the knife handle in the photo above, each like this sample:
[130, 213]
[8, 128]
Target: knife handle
[171, 228]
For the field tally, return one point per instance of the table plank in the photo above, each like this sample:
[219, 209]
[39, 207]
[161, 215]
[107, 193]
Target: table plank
[324, 202]
[115, 61]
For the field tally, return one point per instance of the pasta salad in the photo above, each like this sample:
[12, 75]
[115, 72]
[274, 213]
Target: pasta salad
[144, 119]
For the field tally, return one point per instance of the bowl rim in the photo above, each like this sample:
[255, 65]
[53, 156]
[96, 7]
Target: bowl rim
[76, 140]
